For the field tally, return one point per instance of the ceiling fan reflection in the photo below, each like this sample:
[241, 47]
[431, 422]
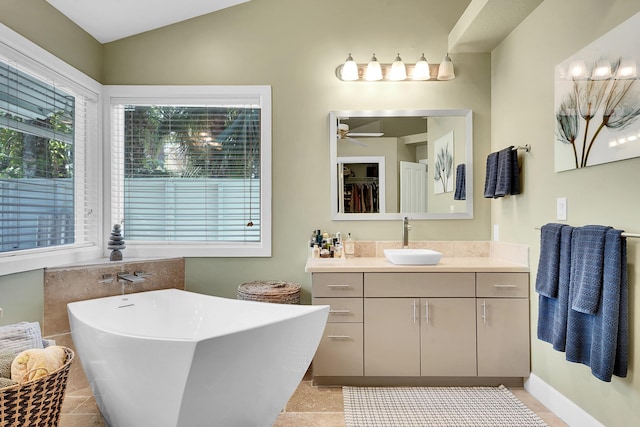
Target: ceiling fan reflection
[345, 135]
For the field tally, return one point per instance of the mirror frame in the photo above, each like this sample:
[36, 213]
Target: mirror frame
[334, 116]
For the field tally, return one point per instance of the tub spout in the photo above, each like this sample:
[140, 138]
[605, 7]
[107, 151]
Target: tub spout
[131, 278]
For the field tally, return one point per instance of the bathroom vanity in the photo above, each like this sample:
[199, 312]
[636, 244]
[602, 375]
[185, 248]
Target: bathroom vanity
[462, 321]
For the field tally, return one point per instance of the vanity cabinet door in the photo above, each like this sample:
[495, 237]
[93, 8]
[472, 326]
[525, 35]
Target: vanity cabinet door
[503, 337]
[391, 337]
[448, 337]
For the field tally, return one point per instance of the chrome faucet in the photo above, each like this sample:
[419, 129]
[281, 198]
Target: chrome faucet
[124, 278]
[405, 232]
[131, 278]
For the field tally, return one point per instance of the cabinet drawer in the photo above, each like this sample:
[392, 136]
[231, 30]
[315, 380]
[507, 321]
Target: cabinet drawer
[342, 309]
[429, 285]
[336, 284]
[340, 352]
[502, 285]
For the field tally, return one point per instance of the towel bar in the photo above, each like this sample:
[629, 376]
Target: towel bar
[623, 234]
[525, 147]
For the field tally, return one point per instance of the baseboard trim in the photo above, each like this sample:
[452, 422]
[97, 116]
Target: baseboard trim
[560, 405]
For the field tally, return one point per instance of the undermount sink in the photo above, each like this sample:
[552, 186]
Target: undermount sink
[413, 256]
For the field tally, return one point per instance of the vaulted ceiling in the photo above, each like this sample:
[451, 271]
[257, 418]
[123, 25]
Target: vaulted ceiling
[480, 28]
[109, 20]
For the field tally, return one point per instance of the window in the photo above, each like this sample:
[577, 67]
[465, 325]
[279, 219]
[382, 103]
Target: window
[191, 169]
[47, 124]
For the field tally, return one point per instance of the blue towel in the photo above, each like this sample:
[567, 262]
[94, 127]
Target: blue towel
[587, 266]
[461, 183]
[601, 340]
[515, 173]
[505, 172]
[549, 264]
[552, 312]
[491, 176]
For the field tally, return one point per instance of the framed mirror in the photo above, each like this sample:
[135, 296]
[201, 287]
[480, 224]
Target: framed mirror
[394, 163]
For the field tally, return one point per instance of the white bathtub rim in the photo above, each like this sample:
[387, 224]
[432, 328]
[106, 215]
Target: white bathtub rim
[97, 325]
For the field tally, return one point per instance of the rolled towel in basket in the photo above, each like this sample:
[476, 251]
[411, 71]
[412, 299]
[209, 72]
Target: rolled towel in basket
[6, 382]
[33, 364]
[6, 358]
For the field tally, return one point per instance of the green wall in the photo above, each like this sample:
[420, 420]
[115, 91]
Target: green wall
[39, 22]
[523, 111]
[295, 47]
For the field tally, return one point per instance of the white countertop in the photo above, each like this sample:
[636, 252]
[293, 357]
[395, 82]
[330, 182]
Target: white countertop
[446, 265]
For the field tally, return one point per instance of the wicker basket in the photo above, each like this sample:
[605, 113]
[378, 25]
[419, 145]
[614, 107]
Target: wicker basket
[270, 291]
[35, 403]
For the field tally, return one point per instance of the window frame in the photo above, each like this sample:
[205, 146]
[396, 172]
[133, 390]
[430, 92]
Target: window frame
[192, 95]
[38, 61]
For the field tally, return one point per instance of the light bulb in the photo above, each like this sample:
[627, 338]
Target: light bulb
[374, 70]
[421, 69]
[349, 70]
[398, 70]
[445, 70]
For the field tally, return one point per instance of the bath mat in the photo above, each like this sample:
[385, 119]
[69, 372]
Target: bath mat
[435, 406]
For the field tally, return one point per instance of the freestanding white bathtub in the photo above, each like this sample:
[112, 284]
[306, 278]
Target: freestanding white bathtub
[177, 358]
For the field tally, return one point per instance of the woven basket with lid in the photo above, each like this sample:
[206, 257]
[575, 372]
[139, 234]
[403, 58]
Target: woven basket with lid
[276, 291]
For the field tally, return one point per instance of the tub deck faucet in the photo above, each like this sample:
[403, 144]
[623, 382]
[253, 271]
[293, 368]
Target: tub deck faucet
[124, 278]
[405, 232]
[131, 278]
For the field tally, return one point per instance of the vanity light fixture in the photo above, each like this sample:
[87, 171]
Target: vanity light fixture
[445, 70]
[396, 71]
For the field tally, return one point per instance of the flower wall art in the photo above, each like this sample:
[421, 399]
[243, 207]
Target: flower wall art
[443, 164]
[597, 101]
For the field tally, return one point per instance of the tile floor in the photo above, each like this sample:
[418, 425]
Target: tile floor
[310, 406]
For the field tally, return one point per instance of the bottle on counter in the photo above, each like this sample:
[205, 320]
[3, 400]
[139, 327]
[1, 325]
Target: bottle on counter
[349, 247]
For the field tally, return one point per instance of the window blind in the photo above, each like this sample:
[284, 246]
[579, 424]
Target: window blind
[187, 173]
[43, 187]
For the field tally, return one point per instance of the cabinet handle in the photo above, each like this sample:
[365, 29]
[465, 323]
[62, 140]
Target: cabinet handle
[505, 286]
[426, 312]
[338, 286]
[414, 311]
[339, 311]
[484, 311]
[338, 337]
